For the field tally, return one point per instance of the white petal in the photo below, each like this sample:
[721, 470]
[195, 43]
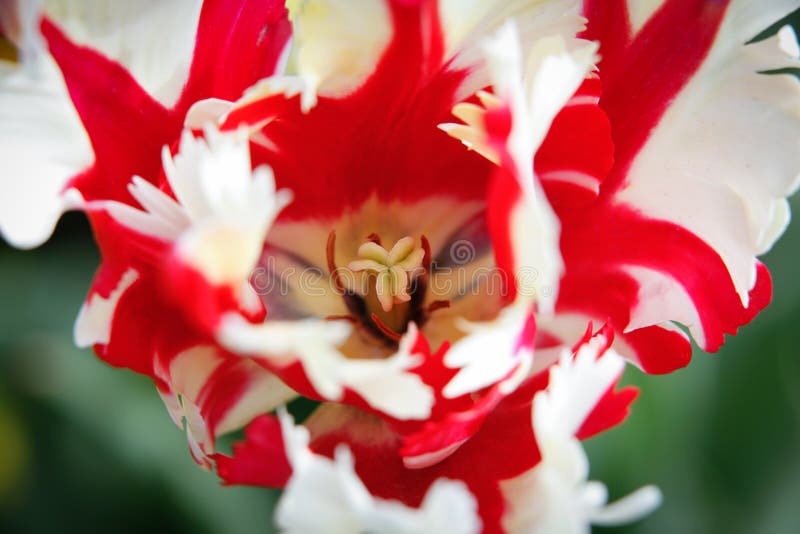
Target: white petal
[325, 495]
[93, 324]
[338, 43]
[386, 384]
[205, 112]
[535, 95]
[42, 145]
[661, 296]
[487, 353]
[555, 496]
[737, 135]
[537, 89]
[632, 507]
[576, 385]
[467, 22]
[223, 210]
[162, 217]
[189, 377]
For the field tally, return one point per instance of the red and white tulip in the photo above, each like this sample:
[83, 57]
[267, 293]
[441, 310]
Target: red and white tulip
[408, 211]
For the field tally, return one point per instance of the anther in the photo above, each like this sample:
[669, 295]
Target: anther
[394, 269]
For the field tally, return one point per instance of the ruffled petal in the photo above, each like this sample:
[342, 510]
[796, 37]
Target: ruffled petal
[523, 226]
[327, 494]
[209, 393]
[123, 133]
[555, 496]
[214, 228]
[469, 385]
[305, 355]
[678, 236]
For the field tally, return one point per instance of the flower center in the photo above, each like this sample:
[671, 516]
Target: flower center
[393, 271]
[380, 268]
[388, 280]
[383, 288]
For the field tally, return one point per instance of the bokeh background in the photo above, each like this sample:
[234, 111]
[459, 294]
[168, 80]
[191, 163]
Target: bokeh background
[84, 447]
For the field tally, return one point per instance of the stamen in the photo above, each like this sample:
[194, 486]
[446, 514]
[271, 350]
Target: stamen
[437, 305]
[394, 269]
[349, 318]
[426, 246]
[388, 332]
[330, 251]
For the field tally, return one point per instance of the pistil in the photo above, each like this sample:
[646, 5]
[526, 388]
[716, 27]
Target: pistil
[394, 270]
[391, 292]
[391, 276]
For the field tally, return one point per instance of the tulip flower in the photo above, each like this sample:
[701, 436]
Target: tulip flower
[449, 225]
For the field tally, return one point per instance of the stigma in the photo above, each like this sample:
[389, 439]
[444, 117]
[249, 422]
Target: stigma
[394, 270]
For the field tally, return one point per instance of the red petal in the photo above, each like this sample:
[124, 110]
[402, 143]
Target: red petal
[126, 126]
[577, 153]
[238, 43]
[260, 460]
[599, 243]
[382, 139]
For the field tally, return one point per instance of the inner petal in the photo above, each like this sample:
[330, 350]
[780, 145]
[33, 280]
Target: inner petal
[382, 276]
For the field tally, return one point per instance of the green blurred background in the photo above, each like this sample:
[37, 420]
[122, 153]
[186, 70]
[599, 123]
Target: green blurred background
[87, 447]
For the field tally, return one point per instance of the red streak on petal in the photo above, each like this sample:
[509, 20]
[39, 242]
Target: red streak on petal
[238, 43]
[608, 238]
[609, 24]
[645, 76]
[379, 141]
